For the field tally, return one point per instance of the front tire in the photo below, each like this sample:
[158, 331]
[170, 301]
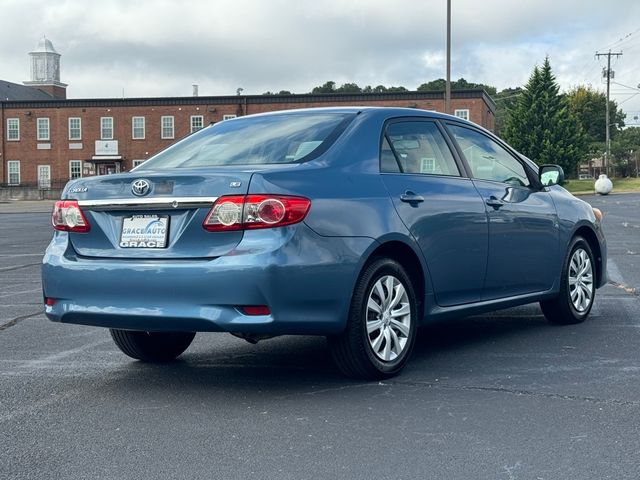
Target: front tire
[577, 287]
[382, 324]
[152, 346]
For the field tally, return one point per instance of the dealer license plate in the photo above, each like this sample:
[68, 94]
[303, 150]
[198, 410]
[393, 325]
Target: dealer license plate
[144, 231]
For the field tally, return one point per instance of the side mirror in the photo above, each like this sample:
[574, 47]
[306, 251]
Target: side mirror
[551, 175]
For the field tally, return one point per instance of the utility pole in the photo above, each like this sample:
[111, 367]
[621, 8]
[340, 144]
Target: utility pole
[447, 87]
[608, 73]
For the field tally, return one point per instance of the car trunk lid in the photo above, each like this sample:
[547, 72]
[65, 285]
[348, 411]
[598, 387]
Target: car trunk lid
[151, 215]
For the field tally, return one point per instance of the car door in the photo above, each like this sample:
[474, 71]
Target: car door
[523, 224]
[440, 207]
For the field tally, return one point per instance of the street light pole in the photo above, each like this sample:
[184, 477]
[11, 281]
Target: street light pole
[447, 88]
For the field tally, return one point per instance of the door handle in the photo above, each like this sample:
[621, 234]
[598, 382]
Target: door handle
[411, 197]
[494, 202]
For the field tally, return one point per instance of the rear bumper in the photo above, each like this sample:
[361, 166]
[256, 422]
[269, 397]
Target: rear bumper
[306, 281]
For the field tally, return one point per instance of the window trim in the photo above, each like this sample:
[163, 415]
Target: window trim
[102, 136]
[133, 127]
[79, 162]
[162, 127]
[47, 167]
[42, 138]
[79, 137]
[201, 117]
[460, 110]
[9, 139]
[9, 163]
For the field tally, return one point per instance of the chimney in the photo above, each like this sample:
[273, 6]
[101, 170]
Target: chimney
[195, 90]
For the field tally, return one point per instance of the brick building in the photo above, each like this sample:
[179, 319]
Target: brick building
[48, 139]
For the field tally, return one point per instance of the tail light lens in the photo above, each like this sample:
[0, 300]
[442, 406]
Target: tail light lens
[68, 217]
[244, 212]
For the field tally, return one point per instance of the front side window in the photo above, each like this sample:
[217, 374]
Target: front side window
[415, 146]
[259, 140]
[197, 122]
[75, 128]
[43, 129]
[167, 127]
[106, 128]
[13, 129]
[75, 169]
[13, 172]
[137, 128]
[487, 159]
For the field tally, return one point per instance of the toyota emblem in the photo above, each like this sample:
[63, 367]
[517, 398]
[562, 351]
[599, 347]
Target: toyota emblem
[140, 187]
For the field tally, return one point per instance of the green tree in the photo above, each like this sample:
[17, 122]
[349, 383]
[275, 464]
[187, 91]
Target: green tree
[460, 84]
[328, 87]
[542, 125]
[349, 88]
[589, 107]
[505, 100]
[625, 151]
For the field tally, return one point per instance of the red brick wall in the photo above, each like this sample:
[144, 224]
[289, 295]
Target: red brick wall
[59, 155]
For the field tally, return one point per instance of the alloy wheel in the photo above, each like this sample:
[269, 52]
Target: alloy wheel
[388, 319]
[581, 280]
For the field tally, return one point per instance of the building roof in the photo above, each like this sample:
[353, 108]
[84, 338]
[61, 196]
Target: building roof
[13, 92]
[352, 98]
[45, 46]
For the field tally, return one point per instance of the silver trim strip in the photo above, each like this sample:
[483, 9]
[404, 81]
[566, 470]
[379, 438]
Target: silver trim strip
[155, 203]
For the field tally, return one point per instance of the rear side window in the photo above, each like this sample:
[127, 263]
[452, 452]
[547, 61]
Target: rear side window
[416, 147]
[260, 140]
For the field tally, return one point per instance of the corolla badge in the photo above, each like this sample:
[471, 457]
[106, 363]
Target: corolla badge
[140, 187]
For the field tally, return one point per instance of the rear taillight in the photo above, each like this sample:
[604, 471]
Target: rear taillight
[242, 212]
[68, 217]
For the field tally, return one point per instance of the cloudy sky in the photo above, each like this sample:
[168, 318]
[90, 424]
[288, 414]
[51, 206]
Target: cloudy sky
[162, 47]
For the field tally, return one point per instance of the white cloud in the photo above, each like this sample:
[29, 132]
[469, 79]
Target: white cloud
[161, 47]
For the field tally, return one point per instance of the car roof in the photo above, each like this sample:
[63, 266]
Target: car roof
[386, 111]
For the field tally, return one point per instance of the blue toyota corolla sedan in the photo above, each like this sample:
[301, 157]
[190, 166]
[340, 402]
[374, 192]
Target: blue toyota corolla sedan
[359, 224]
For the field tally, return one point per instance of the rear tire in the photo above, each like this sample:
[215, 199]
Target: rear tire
[152, 346]
[382, 324]
[577, 287]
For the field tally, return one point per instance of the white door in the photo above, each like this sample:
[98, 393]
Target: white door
[44, 176]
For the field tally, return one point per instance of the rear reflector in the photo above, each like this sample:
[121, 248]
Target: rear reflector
[255, 310]
[68, 217]
[242, 212]
[49, 302]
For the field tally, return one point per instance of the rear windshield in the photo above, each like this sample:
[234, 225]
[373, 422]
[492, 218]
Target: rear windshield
[259, 140]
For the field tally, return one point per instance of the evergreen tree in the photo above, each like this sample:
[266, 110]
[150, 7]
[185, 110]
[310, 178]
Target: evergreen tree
[542, 127]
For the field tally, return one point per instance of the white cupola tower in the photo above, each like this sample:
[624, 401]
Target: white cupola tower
[45, 70]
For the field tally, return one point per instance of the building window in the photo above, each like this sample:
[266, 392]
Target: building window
[13, 172]
[197, 122]
[13, 129]
[75, 128]
[228, 117]
[462, 113]
[137, 162]
[43, 129]
[75, 169]
[137, 128]
[44, 176]
[106, 128]
[167, 127]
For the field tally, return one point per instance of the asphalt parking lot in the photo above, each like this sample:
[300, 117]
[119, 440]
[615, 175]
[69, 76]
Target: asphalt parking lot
[500, 396]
